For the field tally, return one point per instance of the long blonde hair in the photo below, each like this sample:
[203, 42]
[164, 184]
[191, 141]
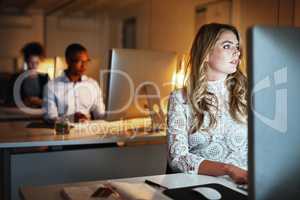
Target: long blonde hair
[198, 96]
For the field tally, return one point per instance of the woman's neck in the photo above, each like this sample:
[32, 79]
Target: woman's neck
[216, 78]
[214, 75]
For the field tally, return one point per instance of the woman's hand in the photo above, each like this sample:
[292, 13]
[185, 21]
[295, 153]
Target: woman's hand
[238, 175]
[33, 101]
[212, 168]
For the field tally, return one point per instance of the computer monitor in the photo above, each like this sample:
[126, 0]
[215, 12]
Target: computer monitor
[139, 82]
[274, 125]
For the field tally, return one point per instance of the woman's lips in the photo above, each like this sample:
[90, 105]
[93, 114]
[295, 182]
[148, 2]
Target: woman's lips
[234, 62]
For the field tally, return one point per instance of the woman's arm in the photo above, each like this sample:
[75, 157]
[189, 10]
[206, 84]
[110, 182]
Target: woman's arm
[179, 157]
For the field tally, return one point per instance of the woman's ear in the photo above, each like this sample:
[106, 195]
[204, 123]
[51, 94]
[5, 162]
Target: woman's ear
[206, 58]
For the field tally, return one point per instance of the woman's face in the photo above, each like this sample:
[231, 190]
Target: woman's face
[224, 57]
[33, 62]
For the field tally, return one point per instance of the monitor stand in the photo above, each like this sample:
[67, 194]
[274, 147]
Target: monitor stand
[155, 108]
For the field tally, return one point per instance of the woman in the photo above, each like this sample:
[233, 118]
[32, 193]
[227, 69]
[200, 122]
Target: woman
[32, 85]
[207, 120]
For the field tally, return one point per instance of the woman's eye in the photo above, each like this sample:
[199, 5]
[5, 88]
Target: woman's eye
[226, 46]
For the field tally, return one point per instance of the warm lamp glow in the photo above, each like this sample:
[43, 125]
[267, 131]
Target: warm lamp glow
[178, 79]
[52, 66]
[47, 67]
[60, 66]
[179, 76]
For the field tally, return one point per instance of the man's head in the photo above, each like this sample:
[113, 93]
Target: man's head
[33, 53]
[77, 59]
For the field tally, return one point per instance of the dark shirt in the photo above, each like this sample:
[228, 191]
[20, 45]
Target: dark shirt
[33, 87]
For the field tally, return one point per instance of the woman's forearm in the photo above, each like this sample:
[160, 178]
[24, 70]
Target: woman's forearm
[33, 101]
[212, 168]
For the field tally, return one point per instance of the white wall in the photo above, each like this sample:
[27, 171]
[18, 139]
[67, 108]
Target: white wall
[141, 11]
[91, 33]
[14, 33]
[172, 25]
[63, 31]
[161, 25]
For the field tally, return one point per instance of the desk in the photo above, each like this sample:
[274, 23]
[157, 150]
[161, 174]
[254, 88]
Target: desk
[13, 113]
[74, 158]
[52, 192]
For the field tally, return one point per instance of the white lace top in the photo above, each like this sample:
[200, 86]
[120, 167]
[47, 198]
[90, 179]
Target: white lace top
[227, 143]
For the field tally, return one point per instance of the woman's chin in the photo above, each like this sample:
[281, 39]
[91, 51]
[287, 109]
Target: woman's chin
[232, 69]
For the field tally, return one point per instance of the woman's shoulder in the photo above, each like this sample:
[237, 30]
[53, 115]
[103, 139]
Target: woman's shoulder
[44, 75]
[43, 78]
[180, 95]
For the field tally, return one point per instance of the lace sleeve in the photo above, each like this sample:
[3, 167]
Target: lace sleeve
[179, 157]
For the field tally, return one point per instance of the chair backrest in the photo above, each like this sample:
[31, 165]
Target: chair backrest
[169, 169]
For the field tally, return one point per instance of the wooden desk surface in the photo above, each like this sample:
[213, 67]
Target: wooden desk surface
[17, 134]
[52, 192]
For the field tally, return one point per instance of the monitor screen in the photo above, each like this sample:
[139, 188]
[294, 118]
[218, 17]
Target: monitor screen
[139, 81]
[274, 131]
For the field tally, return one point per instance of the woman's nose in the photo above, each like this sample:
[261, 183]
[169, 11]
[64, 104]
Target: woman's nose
[237, 52]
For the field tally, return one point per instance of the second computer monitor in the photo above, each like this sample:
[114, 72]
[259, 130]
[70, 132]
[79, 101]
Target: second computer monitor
[139, 82]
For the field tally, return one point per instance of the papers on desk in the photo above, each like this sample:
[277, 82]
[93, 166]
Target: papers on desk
[138, 191]
[81, 192]
[121, 191]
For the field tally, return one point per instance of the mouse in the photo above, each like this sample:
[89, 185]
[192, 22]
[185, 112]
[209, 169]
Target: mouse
[209, 193]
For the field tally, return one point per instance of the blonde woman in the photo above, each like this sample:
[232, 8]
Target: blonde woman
[207, 120]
